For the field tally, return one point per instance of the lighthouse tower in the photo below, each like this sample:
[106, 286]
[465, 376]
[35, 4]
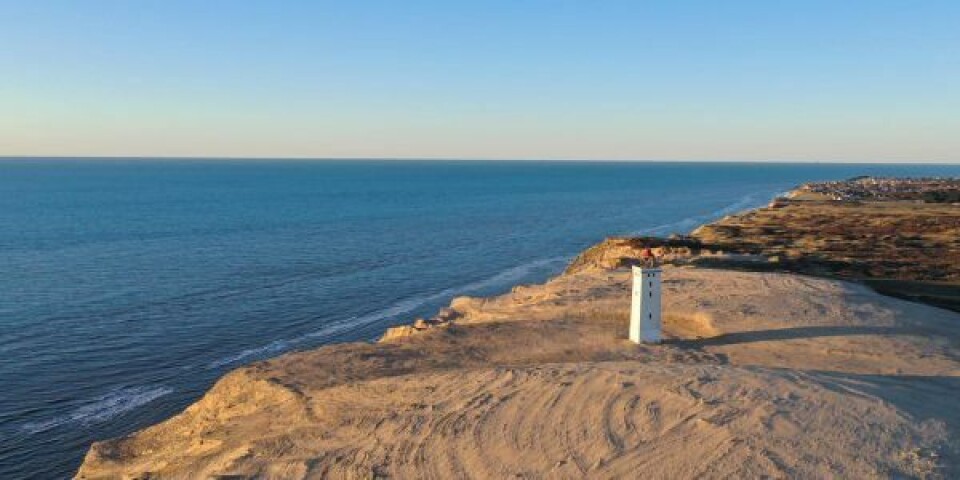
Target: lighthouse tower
[645, 307]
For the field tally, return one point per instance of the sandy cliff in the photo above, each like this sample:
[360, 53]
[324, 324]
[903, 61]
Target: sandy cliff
[763, 374]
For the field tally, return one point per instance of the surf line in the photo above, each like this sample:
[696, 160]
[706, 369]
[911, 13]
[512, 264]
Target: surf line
[402, 307]
[747, 202]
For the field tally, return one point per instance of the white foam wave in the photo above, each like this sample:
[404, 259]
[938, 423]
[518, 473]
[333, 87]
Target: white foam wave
[273, 347]
[506, 276]
[402, 307]
[102, 408]
[408, 305]
[689, 223]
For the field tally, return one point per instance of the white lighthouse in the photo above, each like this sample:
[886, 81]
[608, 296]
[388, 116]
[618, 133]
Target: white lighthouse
[645, 307]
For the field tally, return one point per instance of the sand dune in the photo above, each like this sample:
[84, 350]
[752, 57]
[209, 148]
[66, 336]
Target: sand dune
[762, 374]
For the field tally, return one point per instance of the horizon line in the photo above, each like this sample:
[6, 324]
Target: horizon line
[474, 159]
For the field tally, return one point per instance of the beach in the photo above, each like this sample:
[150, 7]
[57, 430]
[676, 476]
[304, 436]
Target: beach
[763, 372]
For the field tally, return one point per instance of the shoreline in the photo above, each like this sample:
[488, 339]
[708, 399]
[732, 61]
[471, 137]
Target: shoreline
[463, 290]
[582, 312]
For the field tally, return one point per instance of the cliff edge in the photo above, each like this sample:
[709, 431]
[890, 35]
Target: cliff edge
[541, 382]
[763, 373]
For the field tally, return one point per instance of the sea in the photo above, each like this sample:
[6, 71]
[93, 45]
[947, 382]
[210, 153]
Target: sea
[128, 286]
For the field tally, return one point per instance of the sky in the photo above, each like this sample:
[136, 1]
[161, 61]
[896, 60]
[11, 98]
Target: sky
[791, 80]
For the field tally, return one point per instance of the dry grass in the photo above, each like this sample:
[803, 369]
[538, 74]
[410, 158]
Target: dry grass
[916, 244]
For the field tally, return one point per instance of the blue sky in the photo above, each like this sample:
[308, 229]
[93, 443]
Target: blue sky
[732, 80]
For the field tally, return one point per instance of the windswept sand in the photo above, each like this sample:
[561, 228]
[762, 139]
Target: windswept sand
[762, 374]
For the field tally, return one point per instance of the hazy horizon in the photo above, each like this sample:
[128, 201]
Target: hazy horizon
[818, 81]
[441, 159]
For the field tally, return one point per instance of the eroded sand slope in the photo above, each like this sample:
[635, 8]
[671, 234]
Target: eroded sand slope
[763, 375]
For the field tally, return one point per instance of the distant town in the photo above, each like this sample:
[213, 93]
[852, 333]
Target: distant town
[929, 190]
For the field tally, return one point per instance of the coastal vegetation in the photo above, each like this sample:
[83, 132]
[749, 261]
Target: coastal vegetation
[904, 248]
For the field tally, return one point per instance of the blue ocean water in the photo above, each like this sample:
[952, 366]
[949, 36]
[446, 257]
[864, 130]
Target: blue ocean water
[128, 286]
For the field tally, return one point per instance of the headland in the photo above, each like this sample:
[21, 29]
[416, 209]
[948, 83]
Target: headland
[780, 360]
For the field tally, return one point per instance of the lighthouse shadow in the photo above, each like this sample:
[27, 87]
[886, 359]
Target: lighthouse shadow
[793, 333]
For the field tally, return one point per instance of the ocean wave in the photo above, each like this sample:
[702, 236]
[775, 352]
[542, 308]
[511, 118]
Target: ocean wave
[402, 307]
[507, 276]
[271, 348]
[510, 275]
[102, 408]
[689, 223]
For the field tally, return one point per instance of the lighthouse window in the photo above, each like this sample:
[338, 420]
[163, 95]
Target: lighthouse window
[651, 315]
